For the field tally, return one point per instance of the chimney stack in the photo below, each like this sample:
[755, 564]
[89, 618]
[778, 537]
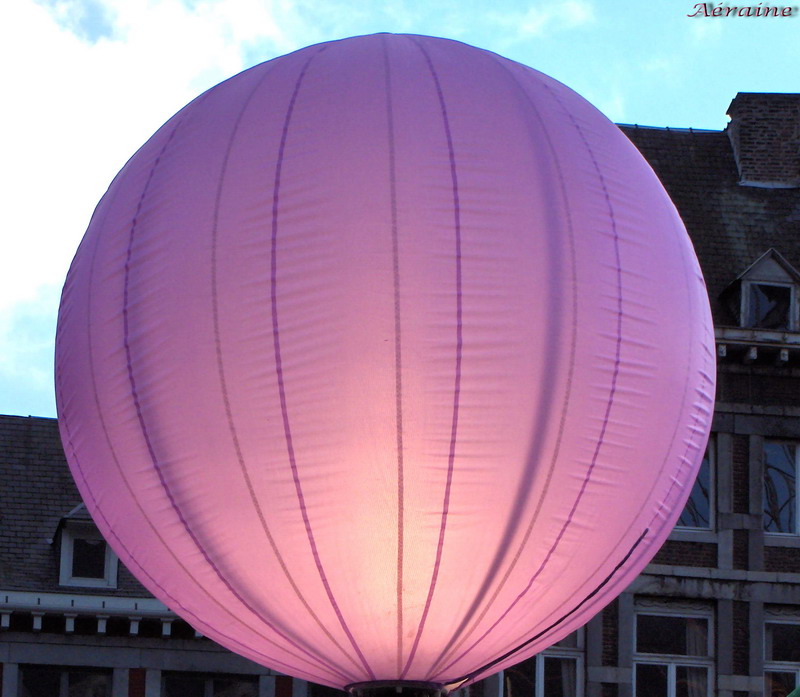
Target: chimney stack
[765, 134]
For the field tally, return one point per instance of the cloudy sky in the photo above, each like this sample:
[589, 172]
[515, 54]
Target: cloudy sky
[86, 82]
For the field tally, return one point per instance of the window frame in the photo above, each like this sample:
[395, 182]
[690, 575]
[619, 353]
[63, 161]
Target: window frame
[773, 665]
[711, 452]
[776, 534]
[64, 673]
[75, 530]
[673, 661]
[744, 307]
[208, 679]
[576, 653]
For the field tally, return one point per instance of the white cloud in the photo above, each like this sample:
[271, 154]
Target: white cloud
[86, 83]
[547, 17]
[703, 30]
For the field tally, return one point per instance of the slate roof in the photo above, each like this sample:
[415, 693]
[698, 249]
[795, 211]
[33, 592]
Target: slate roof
[730, 225]
[37, 492]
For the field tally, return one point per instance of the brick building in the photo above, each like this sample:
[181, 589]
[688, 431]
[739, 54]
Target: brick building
[717, 612]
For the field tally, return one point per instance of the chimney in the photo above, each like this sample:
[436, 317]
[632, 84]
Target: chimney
[765, 134]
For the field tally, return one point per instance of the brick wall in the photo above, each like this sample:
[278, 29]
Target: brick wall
[785, 559]
[610, 634]
[741, 489]
[684, 553]
[757, 387]
[741, 556]
[765, 135]
[741, 638]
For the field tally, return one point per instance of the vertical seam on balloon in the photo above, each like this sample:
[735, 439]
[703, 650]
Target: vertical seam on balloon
[99, 512]
[609, 403]
[143, 426]
[397, 350]
[173, 601]
[551, 627]
[279, 368]
[568, 382]
[224, 383]
[459, 349]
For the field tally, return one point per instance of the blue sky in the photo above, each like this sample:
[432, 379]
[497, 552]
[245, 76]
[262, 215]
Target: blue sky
[88, 81]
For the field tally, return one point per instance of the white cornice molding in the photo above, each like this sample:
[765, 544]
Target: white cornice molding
[105, 605]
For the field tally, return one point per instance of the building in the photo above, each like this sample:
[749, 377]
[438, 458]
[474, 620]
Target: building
[74, 621]
[717, 612]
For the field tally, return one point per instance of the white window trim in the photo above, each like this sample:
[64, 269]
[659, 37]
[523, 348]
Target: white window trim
[711, 449]
[745, 302]
[672, 661]
[776, 617]
[84, 530]
[796, 532]
[573, 653]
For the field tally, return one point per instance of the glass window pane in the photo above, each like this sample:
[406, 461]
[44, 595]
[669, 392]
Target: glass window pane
[783, 642]
[88, 558]
[680, 636]
[520, 680]
[184, 686]
[779, 487]
[236, 687]
[84, 683]
[778, 684]
[651, 680]
[570, 641]
[697, 512]
[691, 681]
[769, 306]
[39, 681]
[560, 677]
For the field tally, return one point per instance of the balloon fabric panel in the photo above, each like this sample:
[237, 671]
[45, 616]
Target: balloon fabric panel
[389, 359]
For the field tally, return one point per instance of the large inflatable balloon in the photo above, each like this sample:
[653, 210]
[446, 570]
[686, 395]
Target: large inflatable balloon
[386, 360]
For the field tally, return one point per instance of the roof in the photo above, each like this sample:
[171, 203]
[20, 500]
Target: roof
[37, 492]
[730, 225]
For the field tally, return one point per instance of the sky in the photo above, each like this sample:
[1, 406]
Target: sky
[86, 82]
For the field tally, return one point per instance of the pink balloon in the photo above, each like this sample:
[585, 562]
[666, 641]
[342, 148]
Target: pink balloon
[389, 359]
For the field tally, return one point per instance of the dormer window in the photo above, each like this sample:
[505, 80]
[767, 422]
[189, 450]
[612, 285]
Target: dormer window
[765, 295]
[86, 558]
[768, 306]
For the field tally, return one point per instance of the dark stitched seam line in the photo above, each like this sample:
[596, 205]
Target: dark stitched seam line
[555, 624]
[279, 370]
[459, 344]
[119, 543]
[146, 434]
[224, 383]
[173, 602]
[452, 646]
[398, 356]
[609, 403]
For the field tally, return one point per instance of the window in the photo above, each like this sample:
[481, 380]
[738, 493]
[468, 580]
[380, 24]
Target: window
[781, 656]
[767, 306]
[556, 672]
[698, 512]
[86, 559]
[673, 652]
[199, 685]
[780, 487]
[52, 681]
